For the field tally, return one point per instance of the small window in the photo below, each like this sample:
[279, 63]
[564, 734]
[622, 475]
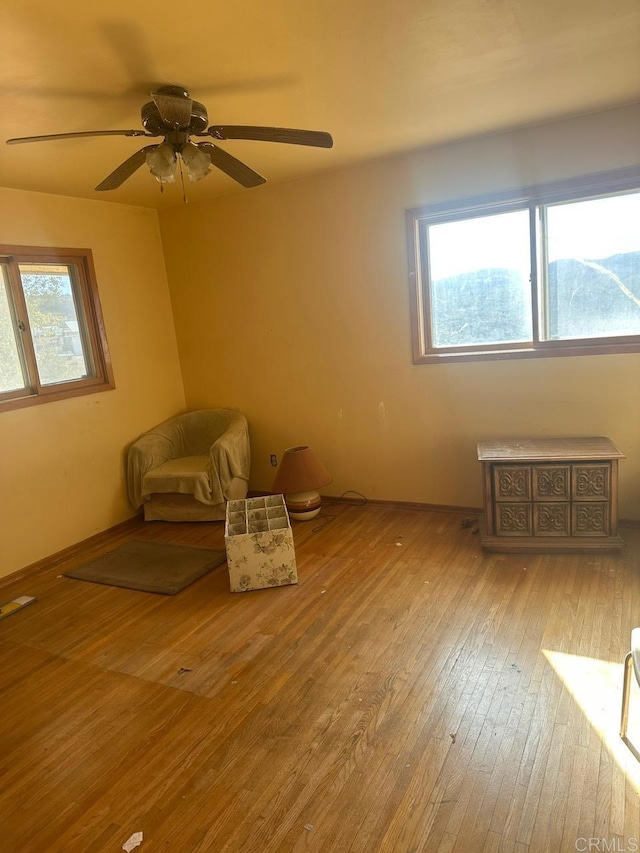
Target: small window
[554, 270]
[52, 340]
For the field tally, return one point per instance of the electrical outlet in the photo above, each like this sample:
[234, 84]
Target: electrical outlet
[274, 460]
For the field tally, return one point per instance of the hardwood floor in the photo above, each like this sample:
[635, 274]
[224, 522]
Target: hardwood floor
[410, 694]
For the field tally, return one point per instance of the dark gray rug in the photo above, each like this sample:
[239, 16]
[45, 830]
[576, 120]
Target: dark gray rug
[150, 566]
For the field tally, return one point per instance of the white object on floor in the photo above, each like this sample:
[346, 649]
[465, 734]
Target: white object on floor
[134, 841]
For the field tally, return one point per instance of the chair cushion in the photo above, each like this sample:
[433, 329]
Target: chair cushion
[186, 475]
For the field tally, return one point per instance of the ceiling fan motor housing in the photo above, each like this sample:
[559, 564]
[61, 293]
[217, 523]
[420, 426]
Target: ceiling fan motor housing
[152, 121]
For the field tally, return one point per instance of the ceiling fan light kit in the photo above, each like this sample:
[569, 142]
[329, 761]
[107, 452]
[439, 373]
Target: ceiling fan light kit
[161, 161]
[196, 160]
[172, 114]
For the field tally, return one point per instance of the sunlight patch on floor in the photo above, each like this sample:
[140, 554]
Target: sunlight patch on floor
[596, 687]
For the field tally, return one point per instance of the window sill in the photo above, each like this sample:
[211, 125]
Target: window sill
[8, 404]
[547, 351]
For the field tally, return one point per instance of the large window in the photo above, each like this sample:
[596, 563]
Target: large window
[552, 270]
[52, 339]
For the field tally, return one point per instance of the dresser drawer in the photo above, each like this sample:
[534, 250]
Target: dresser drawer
[551, 483]
[590, 519]
[513, 519]
[591, 482]
[551, 519]
[512, 482]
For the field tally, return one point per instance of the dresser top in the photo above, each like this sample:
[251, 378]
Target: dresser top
[534, 449]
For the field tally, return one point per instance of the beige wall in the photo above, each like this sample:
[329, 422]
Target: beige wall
[62, 472]
[291, 303]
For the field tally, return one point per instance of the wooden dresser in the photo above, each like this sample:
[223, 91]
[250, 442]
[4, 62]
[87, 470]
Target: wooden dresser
[550, 494]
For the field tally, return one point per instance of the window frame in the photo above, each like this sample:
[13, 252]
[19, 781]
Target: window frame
[534, 199]
[90, 325]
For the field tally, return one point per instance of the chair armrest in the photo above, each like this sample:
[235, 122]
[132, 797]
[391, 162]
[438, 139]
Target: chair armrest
[149, 451]
[230, 457]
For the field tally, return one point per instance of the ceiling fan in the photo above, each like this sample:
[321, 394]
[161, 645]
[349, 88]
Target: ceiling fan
[175, 116]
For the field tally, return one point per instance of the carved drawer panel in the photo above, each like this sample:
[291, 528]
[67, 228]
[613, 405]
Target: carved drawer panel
[551, 482]
[513, 519]
[590, 519]
[590, 482]
[551, 519]
[512, 482]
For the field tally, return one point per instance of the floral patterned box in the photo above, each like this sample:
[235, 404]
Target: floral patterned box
[259, 543]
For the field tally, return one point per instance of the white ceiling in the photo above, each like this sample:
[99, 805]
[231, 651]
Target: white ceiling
[380, 75]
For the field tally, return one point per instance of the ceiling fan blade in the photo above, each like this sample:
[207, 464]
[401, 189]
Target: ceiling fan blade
[231, 166]
[174, 109]
[20, 139]
[317, 138]
[125, 170]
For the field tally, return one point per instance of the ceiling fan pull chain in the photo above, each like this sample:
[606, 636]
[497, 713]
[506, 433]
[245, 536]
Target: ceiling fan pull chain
[184, 189]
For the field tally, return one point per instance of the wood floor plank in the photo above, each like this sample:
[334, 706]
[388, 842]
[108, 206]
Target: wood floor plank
[411, 693]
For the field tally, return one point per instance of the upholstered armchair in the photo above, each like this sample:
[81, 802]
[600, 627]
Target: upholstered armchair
[186, 468]
[631, 665]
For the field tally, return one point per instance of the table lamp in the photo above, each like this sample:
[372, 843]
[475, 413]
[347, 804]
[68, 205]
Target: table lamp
[299, 477]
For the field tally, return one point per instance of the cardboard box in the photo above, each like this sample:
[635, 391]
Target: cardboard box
[259, 543]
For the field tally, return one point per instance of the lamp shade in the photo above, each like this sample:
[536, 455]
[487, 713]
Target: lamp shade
[300, 471]
[299, 477]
